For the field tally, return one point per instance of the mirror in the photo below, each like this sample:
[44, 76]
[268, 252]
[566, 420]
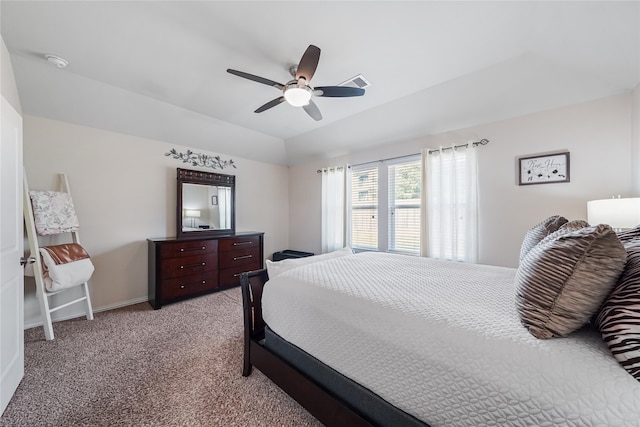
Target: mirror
[205, 205]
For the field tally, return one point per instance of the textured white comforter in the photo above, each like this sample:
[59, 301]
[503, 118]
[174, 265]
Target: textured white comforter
[443, 342]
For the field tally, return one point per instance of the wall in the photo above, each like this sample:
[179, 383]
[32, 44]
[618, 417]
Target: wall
[8, 87]
[124, 191]
[596, 133]
[635, 140]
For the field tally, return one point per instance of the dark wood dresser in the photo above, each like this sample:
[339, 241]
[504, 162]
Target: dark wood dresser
[185, 268]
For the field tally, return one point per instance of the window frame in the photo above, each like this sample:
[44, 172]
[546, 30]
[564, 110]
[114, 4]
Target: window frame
[386, 233]
[392, 206]
[350, 207]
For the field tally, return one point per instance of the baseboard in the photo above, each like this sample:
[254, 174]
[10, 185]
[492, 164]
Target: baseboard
[95, 310]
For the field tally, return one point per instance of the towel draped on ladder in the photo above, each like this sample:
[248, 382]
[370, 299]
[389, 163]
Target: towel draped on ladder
[65, 266]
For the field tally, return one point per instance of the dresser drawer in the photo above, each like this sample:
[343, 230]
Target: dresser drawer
[239, 257]
[231, 276]
[186, 248]
[187, 266]
[186, 286]
[235, 243]
[180, 269]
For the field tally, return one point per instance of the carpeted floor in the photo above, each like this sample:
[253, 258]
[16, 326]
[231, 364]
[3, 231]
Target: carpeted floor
[177, 366]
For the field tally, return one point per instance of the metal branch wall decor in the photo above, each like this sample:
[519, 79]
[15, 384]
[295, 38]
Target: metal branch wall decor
[199, 159]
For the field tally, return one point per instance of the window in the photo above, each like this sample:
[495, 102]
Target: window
[364, 208]
[385, 206]
[404, 207]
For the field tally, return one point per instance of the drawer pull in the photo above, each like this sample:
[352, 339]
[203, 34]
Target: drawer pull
[204, 282]
[241, 243]
[194, 265]
[235, 258]
[193, 249]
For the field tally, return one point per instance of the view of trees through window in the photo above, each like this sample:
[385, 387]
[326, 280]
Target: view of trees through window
[400, 227]
[364, 208]
[404, 208]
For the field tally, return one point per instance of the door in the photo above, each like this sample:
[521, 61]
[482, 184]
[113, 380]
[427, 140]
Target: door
[11, 250]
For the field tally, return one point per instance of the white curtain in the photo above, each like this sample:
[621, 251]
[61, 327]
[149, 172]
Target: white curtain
[333, 208]
[451, 203]
[224, 204]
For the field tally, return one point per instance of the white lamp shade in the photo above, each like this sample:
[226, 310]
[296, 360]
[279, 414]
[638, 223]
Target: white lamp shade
[192, 213]
[618, 213]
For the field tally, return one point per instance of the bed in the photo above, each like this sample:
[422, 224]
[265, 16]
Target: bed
[387, 339]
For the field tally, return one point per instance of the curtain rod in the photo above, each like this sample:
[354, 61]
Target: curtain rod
[339, 168]
[379, 161]
[375, 161]
[483, 141]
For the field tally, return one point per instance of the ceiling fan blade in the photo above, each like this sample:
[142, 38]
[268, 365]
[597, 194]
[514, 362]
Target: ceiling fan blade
[308, 63]
[313, 110]
[256, 78]
[270, 104]
[338, 91]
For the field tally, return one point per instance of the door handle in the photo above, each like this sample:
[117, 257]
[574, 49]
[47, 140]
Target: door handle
[29, 260]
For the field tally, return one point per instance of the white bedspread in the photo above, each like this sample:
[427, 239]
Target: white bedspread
[443, 342]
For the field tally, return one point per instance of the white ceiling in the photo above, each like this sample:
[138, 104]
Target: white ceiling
[157, 69]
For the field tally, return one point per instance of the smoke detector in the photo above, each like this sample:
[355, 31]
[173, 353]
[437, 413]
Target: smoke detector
[57, 61]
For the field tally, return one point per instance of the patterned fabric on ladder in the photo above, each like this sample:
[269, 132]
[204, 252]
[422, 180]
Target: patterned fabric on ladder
[53, 212]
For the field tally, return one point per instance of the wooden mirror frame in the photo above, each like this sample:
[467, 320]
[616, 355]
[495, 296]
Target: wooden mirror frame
[186, 176]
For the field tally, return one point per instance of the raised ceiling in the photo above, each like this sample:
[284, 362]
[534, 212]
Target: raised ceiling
[158, 69]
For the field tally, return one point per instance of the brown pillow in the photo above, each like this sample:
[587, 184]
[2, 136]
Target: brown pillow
[619, 318]
[564, 279]
[539, 232]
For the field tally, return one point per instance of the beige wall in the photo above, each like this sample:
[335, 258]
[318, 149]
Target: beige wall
[635, 140]
[8, 87]
[597, 134]
[124, 187]
[124, 190]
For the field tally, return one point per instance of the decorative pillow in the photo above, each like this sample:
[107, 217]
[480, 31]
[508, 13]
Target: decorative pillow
[629, 235]
[564, 279]
[65, 266]
[539, 232]
[574, 225]
[275, 268]
[53, 212]
[619, 318]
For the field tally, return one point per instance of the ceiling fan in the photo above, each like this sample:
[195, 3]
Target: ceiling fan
[298, 92]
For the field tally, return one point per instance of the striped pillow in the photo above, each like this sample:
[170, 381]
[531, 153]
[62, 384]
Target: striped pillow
[619, 318]
[629, 235]
[563, 280]
[539, 232]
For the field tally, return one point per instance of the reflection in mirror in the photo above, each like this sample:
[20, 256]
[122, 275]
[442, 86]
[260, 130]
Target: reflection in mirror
[206, 203]
[205, 207]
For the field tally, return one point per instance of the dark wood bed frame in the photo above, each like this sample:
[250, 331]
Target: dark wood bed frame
[322, 404]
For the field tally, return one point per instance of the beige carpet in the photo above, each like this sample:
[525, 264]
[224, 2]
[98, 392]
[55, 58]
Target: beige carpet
[177, 366]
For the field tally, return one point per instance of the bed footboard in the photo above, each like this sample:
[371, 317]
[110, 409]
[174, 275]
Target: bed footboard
[252, 284]
[323, 405]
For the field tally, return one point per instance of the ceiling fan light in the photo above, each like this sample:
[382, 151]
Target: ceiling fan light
[297, 96]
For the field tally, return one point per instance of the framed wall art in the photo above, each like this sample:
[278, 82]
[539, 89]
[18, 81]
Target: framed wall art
[544, 169]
